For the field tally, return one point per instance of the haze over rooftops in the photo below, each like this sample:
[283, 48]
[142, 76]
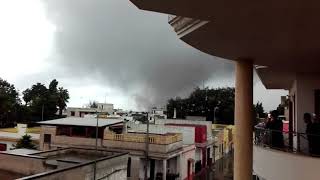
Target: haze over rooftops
[78, 121]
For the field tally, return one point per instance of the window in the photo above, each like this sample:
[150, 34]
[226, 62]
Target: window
[79, 131]
[73, 113]
[3, 147]
[63, 131]
[47, 138]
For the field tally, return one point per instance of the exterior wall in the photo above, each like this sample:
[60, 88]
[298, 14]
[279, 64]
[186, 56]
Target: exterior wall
[303, 90]
[106, 107]
[135, 167]
[75, 141]
[46, 130]
[8, 143]
[64, 140]
[27, 165]
[188, 133]
[196, 118]
[198, 154]
[101, 108]
[172, 165]
[274, 165]
[187, 154]
[107, 169]
[183, 121]
[155, 148]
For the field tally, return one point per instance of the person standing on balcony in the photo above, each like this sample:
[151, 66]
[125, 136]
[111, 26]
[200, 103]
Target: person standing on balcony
[275, 126]
[309, 131]
[316, 133]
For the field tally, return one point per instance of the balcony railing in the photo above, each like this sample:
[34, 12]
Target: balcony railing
[295, 142]
[141, 138]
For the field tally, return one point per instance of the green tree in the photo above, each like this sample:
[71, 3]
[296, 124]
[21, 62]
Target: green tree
[63, 98]
[281, 109]
[49, 100]
[212, 103]
[9, 102]
[179, 105]
[93, 104]
[259, 110]
[25, 142]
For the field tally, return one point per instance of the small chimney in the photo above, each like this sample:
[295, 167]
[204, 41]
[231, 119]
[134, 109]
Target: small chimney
[174, 113]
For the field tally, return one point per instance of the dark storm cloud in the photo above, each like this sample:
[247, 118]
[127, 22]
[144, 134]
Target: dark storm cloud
[134, 51]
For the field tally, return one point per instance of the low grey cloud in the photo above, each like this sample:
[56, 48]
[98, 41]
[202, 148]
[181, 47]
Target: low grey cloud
[133, 51]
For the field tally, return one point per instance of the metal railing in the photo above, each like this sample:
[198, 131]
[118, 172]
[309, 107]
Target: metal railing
[295, 142]
[141, 138]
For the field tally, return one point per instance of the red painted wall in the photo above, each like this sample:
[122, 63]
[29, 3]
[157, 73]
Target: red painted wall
[200, 131]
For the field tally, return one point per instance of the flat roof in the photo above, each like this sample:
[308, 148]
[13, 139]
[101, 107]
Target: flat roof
[78, 121]
[22, 151]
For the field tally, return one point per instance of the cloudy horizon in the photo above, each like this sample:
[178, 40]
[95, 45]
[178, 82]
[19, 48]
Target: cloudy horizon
[107, 51]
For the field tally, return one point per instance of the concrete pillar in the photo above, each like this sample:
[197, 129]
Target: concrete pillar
[180, 165]
[164, 167]
[243, 120]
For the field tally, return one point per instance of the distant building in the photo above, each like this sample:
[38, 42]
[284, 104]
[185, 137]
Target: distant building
[73, 131]
[224, 139]
[166, 152]
[196, 118]
[157, 113]
[202, 136]
[81, 112]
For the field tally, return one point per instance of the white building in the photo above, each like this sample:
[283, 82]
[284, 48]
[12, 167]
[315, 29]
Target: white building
[157, 113]
[81, 112]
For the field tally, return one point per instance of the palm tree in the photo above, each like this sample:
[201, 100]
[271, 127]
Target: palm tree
[63, 97]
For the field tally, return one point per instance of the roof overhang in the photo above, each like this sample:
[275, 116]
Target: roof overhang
[83, 122]
[272, 79]
[277, 34]
[186, 8]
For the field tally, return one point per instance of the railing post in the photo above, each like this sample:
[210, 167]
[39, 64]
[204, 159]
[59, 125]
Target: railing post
[270, 137]
[298, 142]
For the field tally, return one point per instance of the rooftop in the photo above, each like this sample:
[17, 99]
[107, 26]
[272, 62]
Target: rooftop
[51, 164]
[78, 121]
[6, 175]
[22, 151]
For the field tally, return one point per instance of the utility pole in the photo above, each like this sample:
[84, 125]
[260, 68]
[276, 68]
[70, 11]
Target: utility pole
[95, 160]
[42, 112]
[147, 150]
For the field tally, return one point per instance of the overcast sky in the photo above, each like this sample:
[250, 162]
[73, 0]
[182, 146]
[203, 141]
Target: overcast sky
[107, 50]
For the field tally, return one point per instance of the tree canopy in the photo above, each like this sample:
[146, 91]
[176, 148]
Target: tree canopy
[259, 110]
[215, 104]
[25, 142]
[9, 101]
[49, 100]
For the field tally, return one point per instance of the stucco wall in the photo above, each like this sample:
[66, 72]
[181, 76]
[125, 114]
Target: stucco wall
[142, 146]
[21, 164]
[65, 140]
[275, 165]
[9, 144]
[109, 169]
[188, 153]
[188, 133]
[184, 121]
[303, 90]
